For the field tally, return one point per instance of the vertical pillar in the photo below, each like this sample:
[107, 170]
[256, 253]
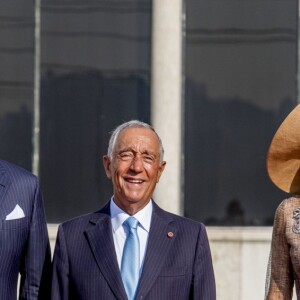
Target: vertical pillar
[36, 101]
[166, 98]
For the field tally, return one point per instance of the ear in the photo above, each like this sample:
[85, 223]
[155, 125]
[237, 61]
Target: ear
[161, 169]
[107, 165]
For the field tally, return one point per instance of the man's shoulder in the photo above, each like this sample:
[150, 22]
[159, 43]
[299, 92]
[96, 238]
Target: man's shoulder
[14, 170]
[181, 220]
[187, 221]
[82, 221]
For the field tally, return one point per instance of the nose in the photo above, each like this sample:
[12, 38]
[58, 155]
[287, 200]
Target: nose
[137, 164]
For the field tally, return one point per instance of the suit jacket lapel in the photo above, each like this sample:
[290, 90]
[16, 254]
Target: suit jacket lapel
[102, 245]
[157, 249]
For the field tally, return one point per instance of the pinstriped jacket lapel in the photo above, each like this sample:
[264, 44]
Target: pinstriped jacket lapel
[100, 239]
[157, 249]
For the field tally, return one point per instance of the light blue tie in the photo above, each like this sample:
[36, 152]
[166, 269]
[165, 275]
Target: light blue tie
[130, 264]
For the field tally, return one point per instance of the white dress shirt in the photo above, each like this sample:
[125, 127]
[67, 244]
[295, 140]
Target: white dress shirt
[118, 216]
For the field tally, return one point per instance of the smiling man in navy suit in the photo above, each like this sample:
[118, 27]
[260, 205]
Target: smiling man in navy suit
[24, 244]
[103, 256]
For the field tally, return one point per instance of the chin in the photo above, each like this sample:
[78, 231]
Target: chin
[136, 200]
[133, 199]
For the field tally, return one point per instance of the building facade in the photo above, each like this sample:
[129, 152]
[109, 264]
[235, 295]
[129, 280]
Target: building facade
[215, 78]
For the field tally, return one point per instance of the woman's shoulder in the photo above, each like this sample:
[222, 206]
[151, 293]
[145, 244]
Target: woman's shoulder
[288, 205]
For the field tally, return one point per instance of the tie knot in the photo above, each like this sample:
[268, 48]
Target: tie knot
[131, 223]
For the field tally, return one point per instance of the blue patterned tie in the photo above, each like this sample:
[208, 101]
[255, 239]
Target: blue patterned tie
[130, 264]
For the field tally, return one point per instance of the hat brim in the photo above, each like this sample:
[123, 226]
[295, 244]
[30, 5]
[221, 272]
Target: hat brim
[283, 158]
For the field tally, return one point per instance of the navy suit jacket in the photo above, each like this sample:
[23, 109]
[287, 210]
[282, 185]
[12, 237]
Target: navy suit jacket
[175, 267]
[24, 244]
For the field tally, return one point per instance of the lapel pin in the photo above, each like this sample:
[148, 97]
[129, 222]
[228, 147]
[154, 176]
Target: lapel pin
[170, 234]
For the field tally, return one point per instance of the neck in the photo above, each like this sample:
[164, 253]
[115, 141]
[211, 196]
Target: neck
[130, 207]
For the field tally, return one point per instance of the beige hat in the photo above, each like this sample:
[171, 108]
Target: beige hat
[283, 159]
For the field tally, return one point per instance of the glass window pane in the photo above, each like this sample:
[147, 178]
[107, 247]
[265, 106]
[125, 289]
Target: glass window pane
[241, 60]
[95, 74]
[16, 81]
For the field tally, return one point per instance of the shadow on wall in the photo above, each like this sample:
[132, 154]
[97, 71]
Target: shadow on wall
[226, 142]
[16, 138]
[78, 111]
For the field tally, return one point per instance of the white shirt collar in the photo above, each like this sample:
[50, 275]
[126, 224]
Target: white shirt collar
[118, 216]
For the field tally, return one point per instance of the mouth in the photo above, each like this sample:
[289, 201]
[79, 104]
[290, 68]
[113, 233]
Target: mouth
[134, 181]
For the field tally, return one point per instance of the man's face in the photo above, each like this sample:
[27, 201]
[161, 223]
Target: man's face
[135, 167]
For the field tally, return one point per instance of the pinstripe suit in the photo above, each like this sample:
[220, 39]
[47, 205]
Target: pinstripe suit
[178, 267]
[24, 244]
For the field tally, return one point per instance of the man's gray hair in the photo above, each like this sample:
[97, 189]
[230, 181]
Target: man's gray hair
[131, 124]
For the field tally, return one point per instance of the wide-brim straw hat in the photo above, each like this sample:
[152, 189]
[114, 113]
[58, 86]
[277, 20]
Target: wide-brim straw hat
[283, 159]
